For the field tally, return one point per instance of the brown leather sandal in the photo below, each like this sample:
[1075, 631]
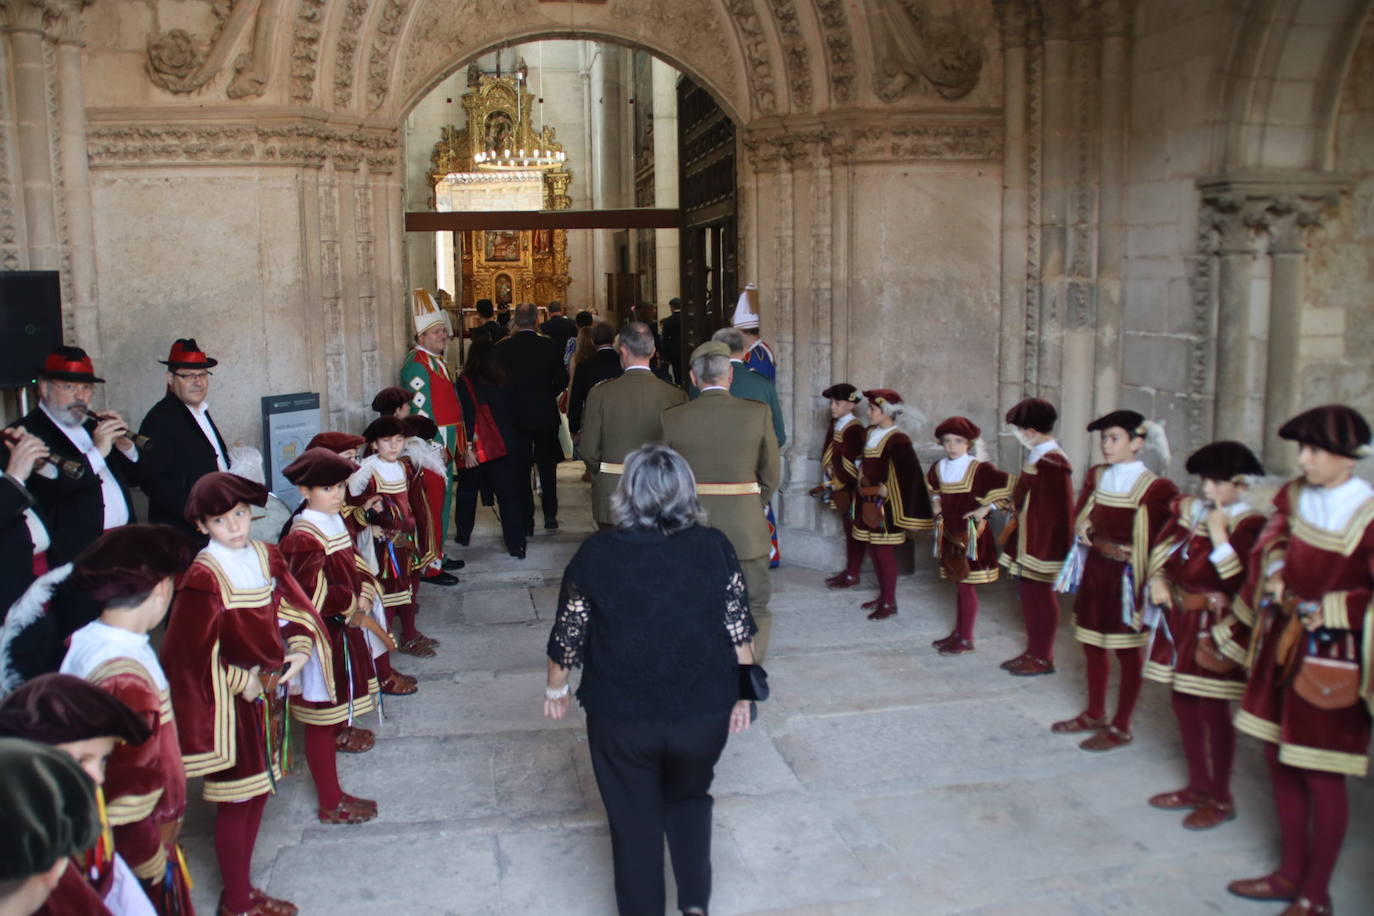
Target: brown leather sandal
[1109, 739]
[1013, 662]
[344, 813]
[415, 646]
[1273, 886]
[957, 647]
[1210, 814]
[273, 906]
[352, 740]
[393, 686]
[363, 804]
[1079, 723]
[254, 909]
[1178, 801]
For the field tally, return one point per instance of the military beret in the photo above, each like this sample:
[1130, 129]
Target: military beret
[1033, 413]
[131, 560]
[60, 708]
[958, 426]
[1128, 420]
[383, 427]
[50, 808]
[218, 492]
[318, 467]
[1224, 460]
[710, 348]
[842, 391]
[1335, 428]
[390, 400]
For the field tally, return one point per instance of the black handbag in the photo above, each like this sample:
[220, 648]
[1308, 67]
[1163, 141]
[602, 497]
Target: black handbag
[753, 683]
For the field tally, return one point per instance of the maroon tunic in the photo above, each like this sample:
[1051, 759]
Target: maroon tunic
[842, 455]
[74, 895]
[216, 633]
[1131, 524]
[1042, 498]
[907, 505]
[331, 571]
[981, 484]
[1183, 559]
[1335, 570]
[396, 551]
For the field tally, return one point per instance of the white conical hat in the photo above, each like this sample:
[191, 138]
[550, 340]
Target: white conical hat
[427, 312]
[747, 308]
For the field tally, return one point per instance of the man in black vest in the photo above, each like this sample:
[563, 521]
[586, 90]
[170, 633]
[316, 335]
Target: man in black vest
[559, 328]
[535, 376]
[186, 443]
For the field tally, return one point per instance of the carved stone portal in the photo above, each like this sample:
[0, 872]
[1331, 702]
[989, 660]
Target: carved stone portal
[505, 266]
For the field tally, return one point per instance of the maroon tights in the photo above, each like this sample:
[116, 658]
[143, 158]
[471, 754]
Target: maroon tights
[885, 565]
[966, 601]
[853, 550]
[1209, 743]
[321, 755]
[1313, 815]
[1040, 607]
[1132, 663]
[236, 832]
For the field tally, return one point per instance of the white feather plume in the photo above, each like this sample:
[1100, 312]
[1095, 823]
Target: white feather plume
[425, 455]
[22, 614]
[246, 462]
[1155, 453]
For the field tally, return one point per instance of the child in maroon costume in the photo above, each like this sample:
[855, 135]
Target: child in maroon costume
[425, 458]
[1121, 512]
[1042, 533]
[130, 571]
[1314, 575]
[840, 460]
[892, 495]
[963, 490]
[319, 552]
[1196, 573]
[240, 628]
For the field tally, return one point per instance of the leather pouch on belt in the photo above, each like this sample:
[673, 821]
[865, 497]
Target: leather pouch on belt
[842, 501]
[871, 511]
[1208, 658]
[1329, 683]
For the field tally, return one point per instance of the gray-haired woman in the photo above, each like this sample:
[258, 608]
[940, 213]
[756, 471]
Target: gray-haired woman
[656, 612]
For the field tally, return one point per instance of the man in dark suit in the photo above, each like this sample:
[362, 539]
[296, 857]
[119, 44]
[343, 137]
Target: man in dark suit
[671, 340]
[535, 376]
[493, 329]
[601, 365]
[559, 328]
[187, 444]
[78, 510]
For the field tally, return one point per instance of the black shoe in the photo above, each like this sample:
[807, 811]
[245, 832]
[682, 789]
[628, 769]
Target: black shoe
[518, 553]
[550, 524]
[450, 563]
[529, 530]
[440, 578]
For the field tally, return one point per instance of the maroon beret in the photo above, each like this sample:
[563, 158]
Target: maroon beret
[60, 709]
[881, 396]
[382, 427]
[218, 492]
[1334, 427]
[318, 467]
[958, 426]
[1033, 413]
[1225, 460]
[420, 425]
[337, 442]
[1129, 420]
[130, 560]
[390, 400]
[843, 391]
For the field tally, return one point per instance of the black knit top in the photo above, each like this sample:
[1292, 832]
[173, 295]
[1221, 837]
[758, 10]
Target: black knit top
[654, 620]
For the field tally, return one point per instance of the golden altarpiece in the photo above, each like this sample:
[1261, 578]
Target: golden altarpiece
[507, 266]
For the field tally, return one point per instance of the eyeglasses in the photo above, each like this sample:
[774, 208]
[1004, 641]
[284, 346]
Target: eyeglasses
[74, 387]
[193, 376]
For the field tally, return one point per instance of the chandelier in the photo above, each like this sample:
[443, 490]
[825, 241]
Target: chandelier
[509, 160]
[521, 148]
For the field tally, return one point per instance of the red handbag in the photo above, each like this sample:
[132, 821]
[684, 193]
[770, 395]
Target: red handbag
[486, 437]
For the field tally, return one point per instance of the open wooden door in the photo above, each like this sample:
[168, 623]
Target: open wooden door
[709, 238]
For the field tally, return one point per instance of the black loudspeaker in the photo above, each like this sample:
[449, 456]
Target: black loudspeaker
[30, 323]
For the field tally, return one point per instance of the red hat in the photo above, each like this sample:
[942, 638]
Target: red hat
[318, 467]
[70, 364]
[1034, 413]
[1224, 460]
[186, 354]
[383, 427]
[1129, 420]
[958, 426]
[420, 425]
[218, 492]
[130, 560]
[336, 442]
[390, 400]
[842, 391]
[60, 709]
[881, 396]
[1335, 428]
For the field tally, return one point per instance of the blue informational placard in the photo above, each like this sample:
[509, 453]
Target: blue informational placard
[289, 422]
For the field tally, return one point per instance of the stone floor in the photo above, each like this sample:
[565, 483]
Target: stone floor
[880, 779]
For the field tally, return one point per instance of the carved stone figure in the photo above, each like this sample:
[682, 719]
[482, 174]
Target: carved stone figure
[920, 49]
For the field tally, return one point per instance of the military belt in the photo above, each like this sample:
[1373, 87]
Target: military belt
[729, 489]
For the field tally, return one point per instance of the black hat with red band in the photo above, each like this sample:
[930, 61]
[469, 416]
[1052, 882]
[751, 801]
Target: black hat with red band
[187, 354]
[70, 364]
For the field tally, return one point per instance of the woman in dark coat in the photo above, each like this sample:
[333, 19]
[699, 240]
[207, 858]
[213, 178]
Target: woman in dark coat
[483, 384]
[656, 612]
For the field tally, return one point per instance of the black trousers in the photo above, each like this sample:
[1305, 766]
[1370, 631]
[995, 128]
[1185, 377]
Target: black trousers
[538, 448]
[655, 781]
[500, 477]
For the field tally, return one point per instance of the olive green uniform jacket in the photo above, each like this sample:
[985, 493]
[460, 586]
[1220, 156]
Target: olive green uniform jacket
[621, 415]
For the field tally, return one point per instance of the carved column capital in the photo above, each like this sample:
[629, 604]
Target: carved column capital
[1012, 21]
[1292, 217]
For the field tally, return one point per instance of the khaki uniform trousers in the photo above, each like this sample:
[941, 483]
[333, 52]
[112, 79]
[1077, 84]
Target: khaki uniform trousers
[758, 578]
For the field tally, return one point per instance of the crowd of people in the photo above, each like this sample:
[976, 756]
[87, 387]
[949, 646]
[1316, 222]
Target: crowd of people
[201, 643]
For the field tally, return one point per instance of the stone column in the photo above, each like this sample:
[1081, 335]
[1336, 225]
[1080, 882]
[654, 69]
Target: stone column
[1241, 329]
[76, 175]
[1111, 233]
[33, 146]
[668, 284]
[1015, 219]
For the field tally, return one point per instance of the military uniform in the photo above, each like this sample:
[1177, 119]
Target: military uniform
[729, 444]
[621, 415]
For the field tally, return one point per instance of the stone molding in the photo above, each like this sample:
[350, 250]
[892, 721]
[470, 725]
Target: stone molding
[757, 58]
[383, 52]
[795, 56]
[768, 147]
[346, 51]
[839, 44]
[291, 142]
[305, 50]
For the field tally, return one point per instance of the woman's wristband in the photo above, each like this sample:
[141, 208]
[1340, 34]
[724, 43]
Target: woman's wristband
[557, 693]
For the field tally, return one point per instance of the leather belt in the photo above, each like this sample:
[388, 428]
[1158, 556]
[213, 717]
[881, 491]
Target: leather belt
[1121, 553]
[729, 489]
[611, 467]
[1201, 601]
